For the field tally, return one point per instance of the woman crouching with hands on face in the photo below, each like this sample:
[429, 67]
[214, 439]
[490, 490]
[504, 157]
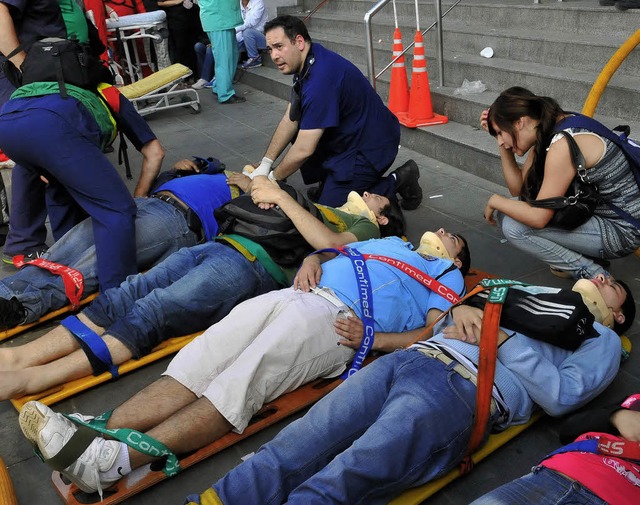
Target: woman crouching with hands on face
[525, 124]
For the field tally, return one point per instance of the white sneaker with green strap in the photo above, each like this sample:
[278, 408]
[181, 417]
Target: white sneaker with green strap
[71, 445]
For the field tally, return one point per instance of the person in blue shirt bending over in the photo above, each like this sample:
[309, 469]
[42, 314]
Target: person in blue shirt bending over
[342, 135]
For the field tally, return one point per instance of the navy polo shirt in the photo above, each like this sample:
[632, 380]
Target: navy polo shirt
[359, 128]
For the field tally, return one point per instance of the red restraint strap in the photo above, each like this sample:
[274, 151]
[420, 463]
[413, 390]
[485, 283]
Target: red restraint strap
[72, 278]
[619, 448]
[423, 278]
[486, 375]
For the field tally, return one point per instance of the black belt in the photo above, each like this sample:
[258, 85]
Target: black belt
[192, 219]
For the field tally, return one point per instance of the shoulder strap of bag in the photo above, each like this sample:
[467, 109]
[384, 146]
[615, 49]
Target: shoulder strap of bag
[581, 121]
[588, 123]
[577, 159]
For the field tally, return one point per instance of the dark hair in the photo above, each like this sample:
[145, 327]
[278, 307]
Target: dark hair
[628, 309]
[511, 105]
[291, 25]
[464, 256]
[396, 225]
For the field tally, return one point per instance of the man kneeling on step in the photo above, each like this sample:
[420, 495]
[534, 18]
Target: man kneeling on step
[265, 347]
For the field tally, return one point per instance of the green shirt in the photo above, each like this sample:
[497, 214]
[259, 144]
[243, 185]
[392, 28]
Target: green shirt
[218, 15]
[74, 20]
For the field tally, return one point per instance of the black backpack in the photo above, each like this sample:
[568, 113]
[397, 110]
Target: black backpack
[558, 317]
[272, 229]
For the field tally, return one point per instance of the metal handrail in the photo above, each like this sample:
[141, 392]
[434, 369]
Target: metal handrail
[372, 76]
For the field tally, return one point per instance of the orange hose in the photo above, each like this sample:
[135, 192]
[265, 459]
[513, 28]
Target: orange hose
[607, 72]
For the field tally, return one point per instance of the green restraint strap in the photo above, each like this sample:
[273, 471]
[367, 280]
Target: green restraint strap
[253, 251]
[134, 439]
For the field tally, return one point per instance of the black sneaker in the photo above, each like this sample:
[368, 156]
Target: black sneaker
[407, 185]
[12, 313]
[623, 5]
[234, 99]
[31, 255]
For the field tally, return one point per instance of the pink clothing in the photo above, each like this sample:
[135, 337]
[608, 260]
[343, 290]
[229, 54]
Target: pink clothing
[614, 480]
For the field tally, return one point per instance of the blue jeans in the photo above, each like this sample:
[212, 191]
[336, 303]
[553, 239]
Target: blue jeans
[64, 146]
[335, 187]
[28, 231]
[189, 291]
[254, 41]
[561, 249]
[399, 422]
[160, 230]
[542, 487]
[204, 55]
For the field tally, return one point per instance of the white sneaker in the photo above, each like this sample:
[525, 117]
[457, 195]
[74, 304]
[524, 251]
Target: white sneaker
[200, 83]
[51, 431]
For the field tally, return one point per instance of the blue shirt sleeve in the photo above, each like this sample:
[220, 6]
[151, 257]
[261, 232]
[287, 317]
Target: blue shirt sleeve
[133, 125]
[320, 102]
[558, 380]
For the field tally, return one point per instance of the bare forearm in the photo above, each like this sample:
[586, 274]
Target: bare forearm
[313, 230]
[294, 159]
[511, 172]
[8, 37]
[283, 135]
[389, 342]
[521, 211]
[153, 154]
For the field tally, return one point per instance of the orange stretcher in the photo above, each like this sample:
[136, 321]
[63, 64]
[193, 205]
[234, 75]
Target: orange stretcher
[275, 411]
[7, 492]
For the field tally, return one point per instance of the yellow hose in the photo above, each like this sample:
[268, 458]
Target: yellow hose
[7, 493]
[607, 72]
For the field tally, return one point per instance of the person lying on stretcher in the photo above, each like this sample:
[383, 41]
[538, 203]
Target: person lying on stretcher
[178, 214]
[265, 347]
[406, 419]
[600, 466]
[188, 291]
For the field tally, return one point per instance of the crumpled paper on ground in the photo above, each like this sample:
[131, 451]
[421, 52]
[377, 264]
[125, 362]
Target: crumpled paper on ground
[470, 88]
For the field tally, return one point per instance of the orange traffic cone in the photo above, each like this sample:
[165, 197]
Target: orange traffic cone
[399, 88]
[420, 109]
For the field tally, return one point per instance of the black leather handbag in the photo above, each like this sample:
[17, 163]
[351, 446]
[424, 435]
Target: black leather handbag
[581, 199]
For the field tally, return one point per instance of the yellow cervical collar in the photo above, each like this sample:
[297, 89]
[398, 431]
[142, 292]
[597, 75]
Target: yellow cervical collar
[431, 245]
[356, 206]
[594, 301]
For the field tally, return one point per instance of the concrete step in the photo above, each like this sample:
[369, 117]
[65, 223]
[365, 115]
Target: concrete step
[572, 17]
[555, 49]
[577, 51]
[459, 143]
[569, 88]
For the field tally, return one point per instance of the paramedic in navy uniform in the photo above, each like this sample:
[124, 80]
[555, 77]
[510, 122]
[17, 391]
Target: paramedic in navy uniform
[343, 135]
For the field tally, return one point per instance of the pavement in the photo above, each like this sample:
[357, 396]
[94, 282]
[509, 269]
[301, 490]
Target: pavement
[238, 134]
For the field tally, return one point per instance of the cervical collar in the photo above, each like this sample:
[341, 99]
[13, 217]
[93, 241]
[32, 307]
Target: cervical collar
[356, 206]
[431, 245]
[594, 301]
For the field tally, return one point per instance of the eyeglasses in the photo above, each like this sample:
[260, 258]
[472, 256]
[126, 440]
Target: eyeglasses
[295, 111]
